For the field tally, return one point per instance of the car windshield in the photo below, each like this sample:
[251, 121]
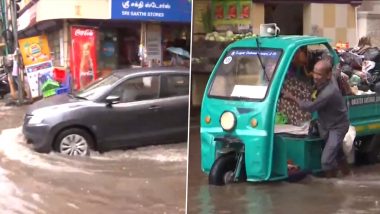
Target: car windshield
[242, 74]
[97, 87]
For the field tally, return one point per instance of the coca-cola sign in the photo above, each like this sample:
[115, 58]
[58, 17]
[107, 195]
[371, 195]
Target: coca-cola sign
[83, 62]
[86, 32]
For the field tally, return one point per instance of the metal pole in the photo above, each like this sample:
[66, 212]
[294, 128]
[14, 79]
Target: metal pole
[4, 16]
[143, 43]
[4, 10]
[15, 36]
[14, 22]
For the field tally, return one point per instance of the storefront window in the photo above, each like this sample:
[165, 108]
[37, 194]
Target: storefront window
[174, 35]
[107, 51]
[129, 37]
[55, 47]
[117, 47]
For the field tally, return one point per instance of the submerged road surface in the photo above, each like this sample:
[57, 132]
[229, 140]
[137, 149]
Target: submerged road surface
[356, 194]
[146, 180]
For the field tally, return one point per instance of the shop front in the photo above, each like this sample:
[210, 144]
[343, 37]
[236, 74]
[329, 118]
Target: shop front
[117, 43]
[215, 24]
[157, 25]
[294, 17]
[37, 20]
[96, 37]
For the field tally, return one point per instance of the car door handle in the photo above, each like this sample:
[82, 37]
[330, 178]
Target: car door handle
[154, 108]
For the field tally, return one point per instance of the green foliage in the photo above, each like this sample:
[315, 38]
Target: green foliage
[228, 36]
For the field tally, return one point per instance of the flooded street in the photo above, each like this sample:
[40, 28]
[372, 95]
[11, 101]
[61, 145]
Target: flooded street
[146, 180]
[357, 194]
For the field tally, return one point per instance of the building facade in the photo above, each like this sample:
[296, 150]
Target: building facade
[128, 33]
[335, 19]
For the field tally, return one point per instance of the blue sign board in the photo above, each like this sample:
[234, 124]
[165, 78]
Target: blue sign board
[108, 49]
[152, 10]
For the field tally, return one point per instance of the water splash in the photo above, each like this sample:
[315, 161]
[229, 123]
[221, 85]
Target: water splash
[14, 147]
[161, 153]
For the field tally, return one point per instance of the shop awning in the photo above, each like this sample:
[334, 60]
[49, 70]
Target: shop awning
[27, 19]
[39, 27]
[353, 2]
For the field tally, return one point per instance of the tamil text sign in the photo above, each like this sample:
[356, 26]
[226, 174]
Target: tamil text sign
[152, 10]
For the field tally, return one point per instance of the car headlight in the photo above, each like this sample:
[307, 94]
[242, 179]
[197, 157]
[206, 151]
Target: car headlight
[228, 121]
[35, 120]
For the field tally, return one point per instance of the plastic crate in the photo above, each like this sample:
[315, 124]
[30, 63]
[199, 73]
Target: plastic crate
[49, 88]
[50, 84]
[59, 75]
[62, 90]
[65, 86]
[48, 93]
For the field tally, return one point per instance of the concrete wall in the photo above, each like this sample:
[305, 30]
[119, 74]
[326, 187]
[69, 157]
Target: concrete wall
[200, 9]
[369, 21]
[258, 11]
[335, 21]
[369, 25]
[67, 9]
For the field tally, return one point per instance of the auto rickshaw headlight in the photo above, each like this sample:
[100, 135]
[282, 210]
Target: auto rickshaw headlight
[228, 121]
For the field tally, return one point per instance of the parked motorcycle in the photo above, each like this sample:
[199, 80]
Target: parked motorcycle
[4, 85]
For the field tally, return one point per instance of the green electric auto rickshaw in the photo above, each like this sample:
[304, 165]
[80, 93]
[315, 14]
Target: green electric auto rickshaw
[239, 114]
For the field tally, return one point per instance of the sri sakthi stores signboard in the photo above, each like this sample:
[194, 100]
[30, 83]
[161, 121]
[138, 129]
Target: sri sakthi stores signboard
[152, 10]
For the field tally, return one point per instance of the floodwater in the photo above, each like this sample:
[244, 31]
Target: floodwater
[356, 194]
[145, 180]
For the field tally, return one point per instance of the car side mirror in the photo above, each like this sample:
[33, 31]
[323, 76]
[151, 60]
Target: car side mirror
[112, 100]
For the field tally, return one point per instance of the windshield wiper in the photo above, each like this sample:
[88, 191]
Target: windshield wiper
[261, 62]
[76, 96]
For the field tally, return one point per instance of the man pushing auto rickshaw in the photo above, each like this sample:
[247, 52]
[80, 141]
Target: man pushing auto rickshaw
[333, 117]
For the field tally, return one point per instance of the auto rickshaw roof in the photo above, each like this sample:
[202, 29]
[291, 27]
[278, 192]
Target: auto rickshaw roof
[283, 42]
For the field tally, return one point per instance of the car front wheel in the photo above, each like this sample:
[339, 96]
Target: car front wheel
[74, 142]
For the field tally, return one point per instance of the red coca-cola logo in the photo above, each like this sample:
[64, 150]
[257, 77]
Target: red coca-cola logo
[87, 32]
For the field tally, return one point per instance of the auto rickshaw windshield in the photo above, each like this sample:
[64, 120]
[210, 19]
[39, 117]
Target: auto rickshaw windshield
[241, 75]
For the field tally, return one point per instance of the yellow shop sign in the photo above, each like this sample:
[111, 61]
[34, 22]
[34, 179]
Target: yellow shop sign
[34, 49]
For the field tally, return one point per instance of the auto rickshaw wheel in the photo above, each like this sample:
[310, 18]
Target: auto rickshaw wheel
[362, 149]
[374, 150]
[222, 171]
